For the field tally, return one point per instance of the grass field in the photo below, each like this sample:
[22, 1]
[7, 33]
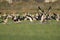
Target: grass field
[30, 31]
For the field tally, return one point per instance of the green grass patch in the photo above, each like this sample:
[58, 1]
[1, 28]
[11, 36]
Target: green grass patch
[30, 31]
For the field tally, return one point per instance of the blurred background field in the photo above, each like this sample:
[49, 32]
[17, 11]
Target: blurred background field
[29, 6]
